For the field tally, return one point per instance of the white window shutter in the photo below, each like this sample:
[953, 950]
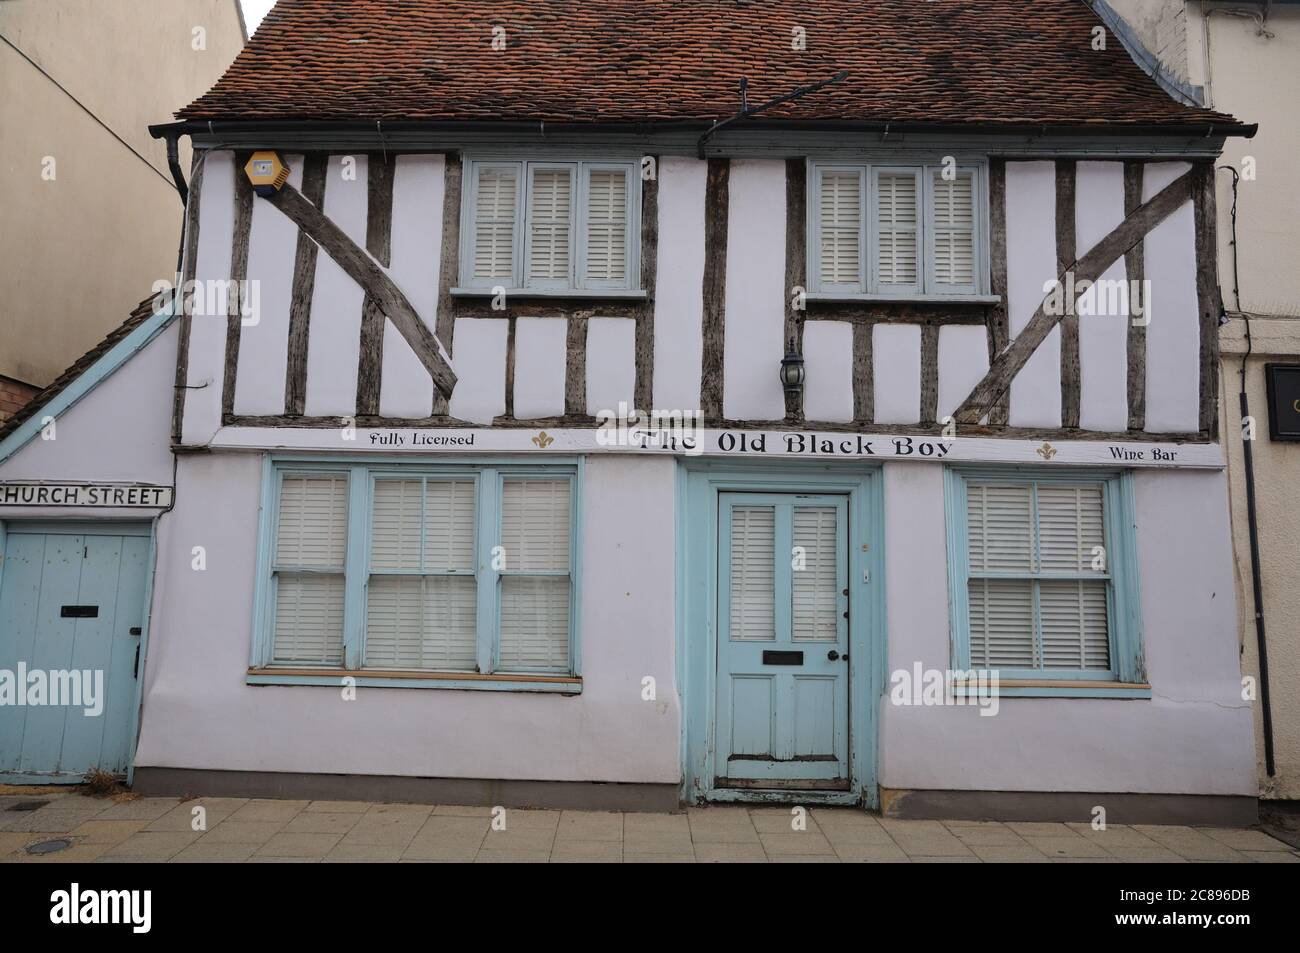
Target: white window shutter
[313, 525]
[310, 547]
[607, 226]
[550, 213]
[753, 583]
[814, 588]
[535, 525]
[840, 215]
[896, 228]
[413, 620]
[535, 609]
[495, 211]
[1043, 532]
[395, 529]
[308, 619]
[953, 229]
[1074, 624]
[449, 517]
[1001, 623]
[422, 622]
[1070, 527]
[1000, 528]
[534, 623]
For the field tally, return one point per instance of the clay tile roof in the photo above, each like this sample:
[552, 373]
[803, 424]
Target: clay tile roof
[587, 61]
[143, 311]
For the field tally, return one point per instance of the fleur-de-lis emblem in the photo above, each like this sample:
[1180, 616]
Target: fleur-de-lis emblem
[543, 440]
[1046, 451]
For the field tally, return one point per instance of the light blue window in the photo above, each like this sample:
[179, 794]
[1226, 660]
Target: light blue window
[1042, 575]
[399, 570]
[897, 230]
[553, 226]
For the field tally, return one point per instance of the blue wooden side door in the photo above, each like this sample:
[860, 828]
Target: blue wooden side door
[782, 692]
[71, 614]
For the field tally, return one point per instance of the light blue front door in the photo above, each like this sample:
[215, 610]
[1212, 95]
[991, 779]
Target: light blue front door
[71, 616]
[782, 685]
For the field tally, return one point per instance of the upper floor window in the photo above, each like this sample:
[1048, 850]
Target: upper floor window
[550, 226]
[902, 230]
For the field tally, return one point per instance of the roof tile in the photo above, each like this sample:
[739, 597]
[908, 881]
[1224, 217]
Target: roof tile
[941, 61]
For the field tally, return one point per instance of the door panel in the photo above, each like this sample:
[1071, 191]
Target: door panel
[72, 603]
[782, 678]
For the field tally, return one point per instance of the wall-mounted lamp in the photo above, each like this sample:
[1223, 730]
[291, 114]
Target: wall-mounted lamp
[792, 370]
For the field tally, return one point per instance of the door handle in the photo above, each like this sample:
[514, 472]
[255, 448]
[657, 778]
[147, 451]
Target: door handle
[834, 656]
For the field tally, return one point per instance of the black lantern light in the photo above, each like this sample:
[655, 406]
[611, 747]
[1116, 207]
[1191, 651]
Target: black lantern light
[792, 371]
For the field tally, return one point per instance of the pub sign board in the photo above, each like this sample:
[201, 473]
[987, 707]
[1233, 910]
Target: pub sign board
[1283, 401]
[85, 495]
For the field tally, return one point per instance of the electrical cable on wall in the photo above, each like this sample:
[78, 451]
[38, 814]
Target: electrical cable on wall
[1248, 460]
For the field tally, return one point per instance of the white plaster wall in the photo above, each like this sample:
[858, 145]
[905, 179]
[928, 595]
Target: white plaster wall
[480, 392]
[611, 363]
[120, 431]
[1103, 337]
[1173, 336]
[334, 331]
[963, 362]
[1193, 736]
[679, 284]
[264, 347]
[828, 363]
[755, 298]
[540, 361]
[419, 186]
[199, 713]
[1031, 261]
[896, 372]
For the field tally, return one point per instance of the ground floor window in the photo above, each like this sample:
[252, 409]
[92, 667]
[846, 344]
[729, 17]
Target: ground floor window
[465, 569]
[1041, 569]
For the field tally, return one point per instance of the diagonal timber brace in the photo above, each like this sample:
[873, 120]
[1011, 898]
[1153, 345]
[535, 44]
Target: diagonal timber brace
[370, 275]
[1088, 268]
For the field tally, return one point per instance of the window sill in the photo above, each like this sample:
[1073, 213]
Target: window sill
[543, 293]
[1054, 688]
[832, 297]
[454, 681]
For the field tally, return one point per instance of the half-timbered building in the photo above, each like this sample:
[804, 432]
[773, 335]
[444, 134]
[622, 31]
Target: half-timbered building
[641, 402]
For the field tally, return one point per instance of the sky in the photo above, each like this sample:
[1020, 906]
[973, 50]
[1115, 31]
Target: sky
[254, 10]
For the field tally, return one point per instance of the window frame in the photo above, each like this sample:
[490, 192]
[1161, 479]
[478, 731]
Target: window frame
[869, 286]
[274, 571]
[489, 478]
[1124, 624]
[519, 282]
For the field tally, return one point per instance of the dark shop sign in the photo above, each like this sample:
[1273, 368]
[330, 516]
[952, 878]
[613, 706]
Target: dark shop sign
[1283, 400]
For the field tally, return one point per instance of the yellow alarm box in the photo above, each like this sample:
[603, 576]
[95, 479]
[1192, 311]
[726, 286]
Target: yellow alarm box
[267, 171]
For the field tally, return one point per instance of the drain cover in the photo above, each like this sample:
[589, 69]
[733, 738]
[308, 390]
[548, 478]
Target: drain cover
[49, 846]
[28, 805]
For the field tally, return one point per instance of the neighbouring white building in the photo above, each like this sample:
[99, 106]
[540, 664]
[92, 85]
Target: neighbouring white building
[1246, 56]
[932, 517]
